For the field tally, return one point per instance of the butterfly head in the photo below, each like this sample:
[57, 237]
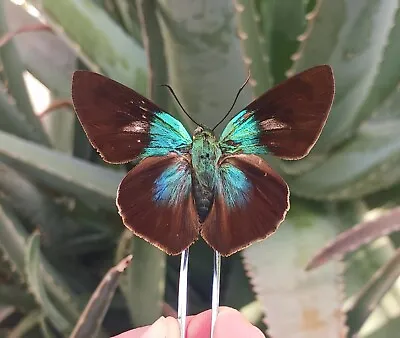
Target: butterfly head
[203, 133]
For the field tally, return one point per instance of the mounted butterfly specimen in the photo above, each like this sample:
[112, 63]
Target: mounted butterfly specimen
[185, 186]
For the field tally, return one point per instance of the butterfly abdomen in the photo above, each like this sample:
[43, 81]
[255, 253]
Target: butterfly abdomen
[203, 197]
[205, 156]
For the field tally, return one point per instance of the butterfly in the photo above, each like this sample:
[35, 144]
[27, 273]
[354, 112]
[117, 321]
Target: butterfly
[185, 186]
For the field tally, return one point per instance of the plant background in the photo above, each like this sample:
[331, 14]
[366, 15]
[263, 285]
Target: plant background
[59, 228]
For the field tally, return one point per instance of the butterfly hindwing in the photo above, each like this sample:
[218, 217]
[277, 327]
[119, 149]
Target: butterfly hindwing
[122, 124]
[250, 202]
[155, 202]
[287, 120]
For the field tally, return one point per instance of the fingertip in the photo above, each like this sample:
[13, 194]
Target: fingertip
[231, 322]
[199, 326]
[164, 327]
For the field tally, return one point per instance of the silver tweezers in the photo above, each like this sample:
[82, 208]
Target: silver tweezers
[183, 291]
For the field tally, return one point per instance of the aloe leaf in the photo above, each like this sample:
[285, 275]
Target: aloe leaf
[237, 280]
[45, 328]
[389, 329]
[92, 184]
[372, 293]
[205, 66]
[370, 160]
[26, 324]
[389, 109]
[31, 204]
[59, 123]
[276, 270]
[17, 296]
[239, 295]
[44, 55]
[13, 68]
[128, 13]
[124, 248]
[5, 313]
[351, 36]
[254, 45]
[13, 121]
[12, 239]
[104, 46]
[154, 46]
[388, 77]
[143, 284]
[284, 37]
[81, 147]
[362, 264]
[90, 321]
[353, 238]
[35, 280]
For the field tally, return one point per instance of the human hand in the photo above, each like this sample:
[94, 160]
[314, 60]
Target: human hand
[230, 323]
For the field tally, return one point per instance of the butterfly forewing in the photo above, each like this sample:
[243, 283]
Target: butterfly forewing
[155, 202]
[287, 120]
[115, 118]
[251, 201]
[122, 124]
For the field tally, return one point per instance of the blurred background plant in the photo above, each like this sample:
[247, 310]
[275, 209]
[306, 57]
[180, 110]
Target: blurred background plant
[59, 228]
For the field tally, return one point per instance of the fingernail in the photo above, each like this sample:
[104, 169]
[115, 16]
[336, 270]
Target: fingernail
[163, 328]
[173, 330]
[158, 329]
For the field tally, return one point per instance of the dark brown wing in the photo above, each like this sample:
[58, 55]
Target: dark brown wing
[249, 205]
[155, 202]
[115, 118]
[287, 120]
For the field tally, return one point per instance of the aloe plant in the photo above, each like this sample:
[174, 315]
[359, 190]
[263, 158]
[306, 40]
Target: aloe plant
[53, 183]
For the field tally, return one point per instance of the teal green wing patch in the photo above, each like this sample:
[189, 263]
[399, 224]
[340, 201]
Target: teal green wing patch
[242, 135]
[167, 134]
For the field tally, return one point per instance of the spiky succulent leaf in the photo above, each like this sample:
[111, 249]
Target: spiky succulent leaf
[276, 271]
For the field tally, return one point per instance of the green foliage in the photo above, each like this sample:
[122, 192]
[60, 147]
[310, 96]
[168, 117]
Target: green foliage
[54, 184]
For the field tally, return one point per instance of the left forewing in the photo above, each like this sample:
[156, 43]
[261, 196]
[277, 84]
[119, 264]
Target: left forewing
[251, 201]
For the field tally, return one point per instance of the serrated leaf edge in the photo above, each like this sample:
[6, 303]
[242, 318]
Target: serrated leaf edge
[303, 38]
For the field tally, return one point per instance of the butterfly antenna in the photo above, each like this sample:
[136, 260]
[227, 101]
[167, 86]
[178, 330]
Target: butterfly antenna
[177, 100]
[234, 101]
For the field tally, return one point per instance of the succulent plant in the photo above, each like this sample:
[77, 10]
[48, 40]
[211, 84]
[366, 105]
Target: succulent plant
[59, 228]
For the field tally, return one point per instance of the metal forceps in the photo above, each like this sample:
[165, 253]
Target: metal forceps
[183, 291]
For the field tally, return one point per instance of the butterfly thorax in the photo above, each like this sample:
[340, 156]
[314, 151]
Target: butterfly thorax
[205, 156]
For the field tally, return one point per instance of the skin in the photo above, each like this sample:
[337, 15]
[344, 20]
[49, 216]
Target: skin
[230, 323]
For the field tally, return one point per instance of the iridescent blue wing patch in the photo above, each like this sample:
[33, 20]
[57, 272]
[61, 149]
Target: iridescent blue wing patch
[122, 124]
[166, 134]
[155, 202]
[250, 202]
[286, 121]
